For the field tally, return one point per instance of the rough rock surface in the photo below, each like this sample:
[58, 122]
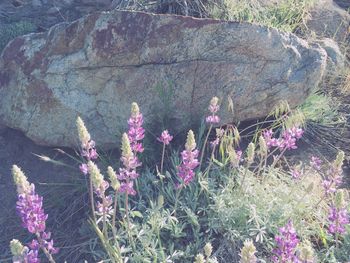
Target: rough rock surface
[96, 66]
[336, 60]
[46, 13]
[327, 19]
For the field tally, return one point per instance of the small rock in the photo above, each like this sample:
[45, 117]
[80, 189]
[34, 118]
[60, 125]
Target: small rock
[335, 59]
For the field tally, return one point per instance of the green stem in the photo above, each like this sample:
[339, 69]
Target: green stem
[244, 176]
[128, 220]
[177, 199]
[161, 164]
[204, 145]
[114, 219]
[278, 158]
[92, 203]
[46, 252]
[160, 246]
[104, 227]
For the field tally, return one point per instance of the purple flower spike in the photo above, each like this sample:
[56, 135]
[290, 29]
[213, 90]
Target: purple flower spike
[165, 137]
[316, 163]
[338, 219]
[296, 173]
[286, 142]
[29, 207]
[189, 160]
[136, 133]
[213, 108]
[128, 173]
[89, 151]
[287, 242]
[127, 187]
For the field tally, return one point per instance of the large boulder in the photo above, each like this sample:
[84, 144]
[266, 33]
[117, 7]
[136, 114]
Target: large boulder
[96, 66]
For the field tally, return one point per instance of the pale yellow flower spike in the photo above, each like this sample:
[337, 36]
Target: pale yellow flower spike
[96, 176]
[135, 110]
[16, 247]
[113, 178]
[208, 249]
[214, 101]
[126, 148]
[199, 259]
[190, 142]
[20, 180]
[248, 252]
[84, 135]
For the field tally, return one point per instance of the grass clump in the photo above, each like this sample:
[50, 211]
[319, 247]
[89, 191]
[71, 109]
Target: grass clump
[286, 15]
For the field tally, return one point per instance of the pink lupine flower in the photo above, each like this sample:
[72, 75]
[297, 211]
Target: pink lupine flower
[189, 160]
[128, 173]
[29, 255]
[287, 140]
[127, 187]
[30, 209]
[32, 256]
[296, 173]
[22, 254]
[136, 133]
[213, 108]
[338, 218]
[83, 168]
[213, 119]
[333, 180]
[100, 185]
[329, 187]
[106, 207]
[89, 151]
[215, 142]
[165, 137]
[287, 242]
[270, 141]
[316, 163]
[296, 132]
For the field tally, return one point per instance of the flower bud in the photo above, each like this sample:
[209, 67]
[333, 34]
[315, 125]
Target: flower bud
[83, 133]
[208, 249]
[250, 152]
[190, 142]
[16, 247]
[135, 110]
[113, 178]
[339, 160]
[160, 201]
[96, 176]
[248, 252]
[306, 252]
[214, 101]
[199, 259]
[340, 199]
[232, 155]
[20, 180]
[262, 146]
[236, 135]
[126, 148]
